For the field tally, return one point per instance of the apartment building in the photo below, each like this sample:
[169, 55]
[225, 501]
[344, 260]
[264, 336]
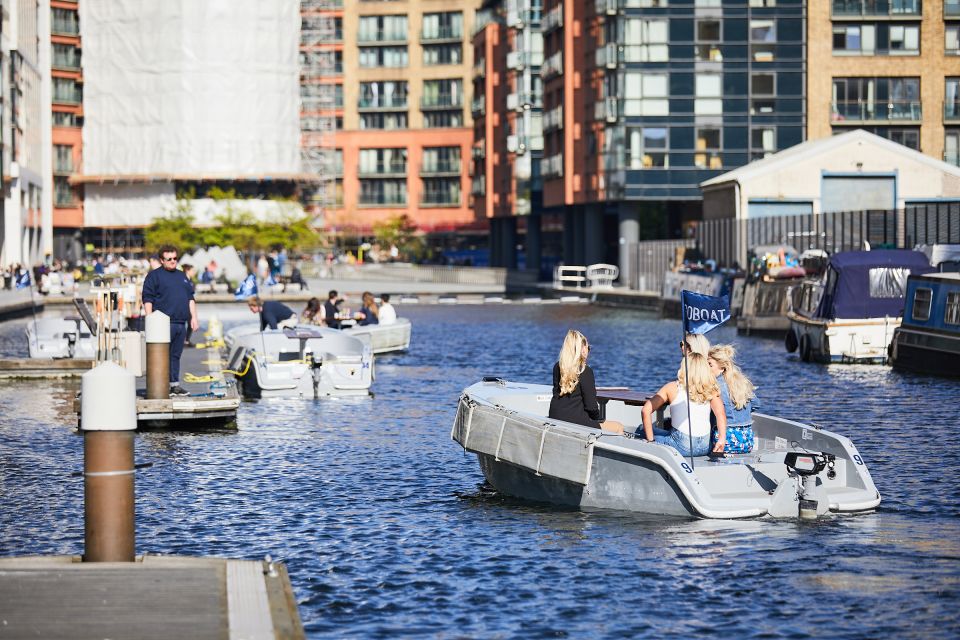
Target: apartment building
[508, 126]
[67, 123]
[891, 67]
[407, 129]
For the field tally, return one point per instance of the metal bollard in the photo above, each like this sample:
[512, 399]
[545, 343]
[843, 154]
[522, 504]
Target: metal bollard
[108, 418]
[157, 328]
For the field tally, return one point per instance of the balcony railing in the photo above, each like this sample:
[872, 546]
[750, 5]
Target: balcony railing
[442, 101]
[552, 166]
[848, 112]
[605, 109]
[382, 170]
[951, 112]
[878, 8]
[553, 19]
[65, 27]
[388, 37]
[443, 34]
[552, 66]
[382, 103]
[440, 168]
[607, 7]
[441, 199]
[607, 56]
[518, 60]
[480, 68]
[478, 107]
[524, 100]
[553, 119]
[381, 201]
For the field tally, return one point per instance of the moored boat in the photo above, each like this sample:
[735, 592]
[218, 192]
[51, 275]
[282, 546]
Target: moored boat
[795, 470]
[59, 338]
[928, 340]
[385, 338]
[851, 312]
[306, 362]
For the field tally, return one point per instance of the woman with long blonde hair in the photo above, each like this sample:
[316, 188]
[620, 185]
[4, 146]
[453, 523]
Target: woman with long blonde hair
[736, 392]
[575, 388]
[689, 415]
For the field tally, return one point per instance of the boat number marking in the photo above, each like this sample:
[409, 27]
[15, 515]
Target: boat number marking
[779, 443]
[686, 467]
[857, 458]
[806, 435]
[543, 398]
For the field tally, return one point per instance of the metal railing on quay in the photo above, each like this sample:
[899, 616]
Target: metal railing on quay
[406, 272]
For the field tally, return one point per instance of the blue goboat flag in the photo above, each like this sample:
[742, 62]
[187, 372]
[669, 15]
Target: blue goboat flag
[23, 280]
[703, 313]
[247, 288]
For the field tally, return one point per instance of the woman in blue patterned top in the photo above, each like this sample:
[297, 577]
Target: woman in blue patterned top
[736, 391]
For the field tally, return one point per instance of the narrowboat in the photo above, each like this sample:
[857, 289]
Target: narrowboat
[928, 340]
[850, 313]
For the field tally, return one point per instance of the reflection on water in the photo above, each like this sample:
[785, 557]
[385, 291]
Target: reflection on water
[388, 530]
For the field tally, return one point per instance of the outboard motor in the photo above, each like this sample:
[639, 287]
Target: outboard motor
[316, 369]
[807, 466]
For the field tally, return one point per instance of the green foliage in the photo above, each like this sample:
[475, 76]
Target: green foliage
[401, 231]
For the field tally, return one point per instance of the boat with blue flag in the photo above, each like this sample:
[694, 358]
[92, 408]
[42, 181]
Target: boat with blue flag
[850, 313]
[928, 340]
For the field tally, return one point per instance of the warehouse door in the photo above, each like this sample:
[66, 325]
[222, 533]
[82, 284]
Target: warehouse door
[858, 193]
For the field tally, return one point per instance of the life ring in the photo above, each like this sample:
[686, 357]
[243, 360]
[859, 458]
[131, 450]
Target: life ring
[790, 341]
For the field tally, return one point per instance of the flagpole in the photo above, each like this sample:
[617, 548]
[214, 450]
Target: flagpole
[686, 382]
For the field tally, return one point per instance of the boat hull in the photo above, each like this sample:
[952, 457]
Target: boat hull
[385, 338]
[926, 352]
[849, 341]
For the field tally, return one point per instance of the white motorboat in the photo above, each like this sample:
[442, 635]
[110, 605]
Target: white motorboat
[795, 470]
[851, 313]
[385, 338]
[306, 362]
[60, 338]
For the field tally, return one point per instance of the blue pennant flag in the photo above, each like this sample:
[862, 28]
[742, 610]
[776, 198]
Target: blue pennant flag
[703, 313]
[247, 288]
[23, 280]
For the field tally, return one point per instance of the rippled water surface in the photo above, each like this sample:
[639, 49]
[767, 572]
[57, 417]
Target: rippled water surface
[387, 531]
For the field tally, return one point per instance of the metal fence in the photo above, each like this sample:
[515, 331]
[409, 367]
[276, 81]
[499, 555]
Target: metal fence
[404, 272]
[647, 262]
[728, 240]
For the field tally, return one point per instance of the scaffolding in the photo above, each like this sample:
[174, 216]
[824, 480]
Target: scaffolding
[319, 69]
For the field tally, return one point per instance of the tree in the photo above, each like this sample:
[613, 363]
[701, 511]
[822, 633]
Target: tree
[401, 231]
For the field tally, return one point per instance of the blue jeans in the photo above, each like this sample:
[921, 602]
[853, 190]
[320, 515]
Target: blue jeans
[681, 442]
[178, 335]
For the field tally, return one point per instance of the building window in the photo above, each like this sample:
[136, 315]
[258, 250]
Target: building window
[383, 192]
[647, 147]
[441, 192]
[763, 91]
[951, 100]
[442, 26]
[763, 142]
[373, 57]
[647, 40]
[383, 95]
[66, 56]
[62, 159]
[442, 54]
[442, 119]
[854, 38]
[865, 99]
[907, 137]
[952, 44]
[62, 192]
[442, 94]
[67, 90]
[708, 40]
[708, 148]
[951, 312]
[922, 297]
[877, 39]
[876, 8]
[392, 29]
[65, 22]
[951, 147]
[378, 162]
[66, 119]
[320, 123]
[709, 90]
[763, 40]
[437, 160]
[904, 39]
[763, 3]
[645, 94]
[387, 121]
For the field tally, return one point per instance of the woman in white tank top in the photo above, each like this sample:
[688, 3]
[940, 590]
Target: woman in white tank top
[705, 395]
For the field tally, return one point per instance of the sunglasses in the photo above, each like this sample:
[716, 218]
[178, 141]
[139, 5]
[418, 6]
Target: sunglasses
[173, 259]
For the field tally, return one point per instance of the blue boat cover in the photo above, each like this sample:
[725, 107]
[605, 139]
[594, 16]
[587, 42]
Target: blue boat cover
[869, 284]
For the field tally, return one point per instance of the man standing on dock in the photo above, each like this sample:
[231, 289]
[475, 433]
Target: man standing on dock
[167, 289]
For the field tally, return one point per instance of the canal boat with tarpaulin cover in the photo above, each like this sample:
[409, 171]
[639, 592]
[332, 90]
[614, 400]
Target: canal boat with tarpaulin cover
[851, 312]
[795, 469]
[928, 341]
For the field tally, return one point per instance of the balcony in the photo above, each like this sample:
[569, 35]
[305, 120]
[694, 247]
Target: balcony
[608, 55]
[848, 112]
[605, 109]
[440, 168]
[479, 150]
[478, 107]
[553, 20]
[553, 119]
[524, 100]
[518, 60]
[441, 199]
[441, 35]
[890, 9]
[479, 186]
[607, 7]
[552, 66]
[398, 200]
[382, 170]
[951, 112]
[480, 68]
[441, 101]
[382, 103]
[381, 38]
[552, 166]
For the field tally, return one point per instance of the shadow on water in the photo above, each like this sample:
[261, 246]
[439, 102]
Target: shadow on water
[388, 530]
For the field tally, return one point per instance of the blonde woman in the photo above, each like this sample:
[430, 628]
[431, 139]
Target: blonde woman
[575, 388]
[695, 343]
[736, 392]
[704, 399]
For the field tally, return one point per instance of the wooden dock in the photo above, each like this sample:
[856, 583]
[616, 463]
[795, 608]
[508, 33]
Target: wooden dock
[12, 368]
[161, 597]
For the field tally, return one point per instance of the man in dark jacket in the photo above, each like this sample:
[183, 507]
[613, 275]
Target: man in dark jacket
[167, 289]
[273, 314]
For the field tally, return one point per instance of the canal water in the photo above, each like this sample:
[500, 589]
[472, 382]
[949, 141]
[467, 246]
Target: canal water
[387, 530]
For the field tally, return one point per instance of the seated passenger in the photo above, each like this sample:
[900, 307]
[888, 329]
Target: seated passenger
[313, 314]
[574, 387]
[368, 314]
[736, 392]
[386, 314]
[695, 343]
[704, 398]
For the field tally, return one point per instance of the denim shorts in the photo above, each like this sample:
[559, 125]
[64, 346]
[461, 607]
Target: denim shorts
[681, 442]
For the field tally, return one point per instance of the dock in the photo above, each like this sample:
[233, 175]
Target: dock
[60, 597]
[13, 368]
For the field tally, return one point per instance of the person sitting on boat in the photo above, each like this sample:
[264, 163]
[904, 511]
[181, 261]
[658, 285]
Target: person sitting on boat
[387, 314]
[369, 312]
[736, 392]
[313, 314]
[704, 398]
[331, 308]
[273, 314]
[575, 388]
[695, 343]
